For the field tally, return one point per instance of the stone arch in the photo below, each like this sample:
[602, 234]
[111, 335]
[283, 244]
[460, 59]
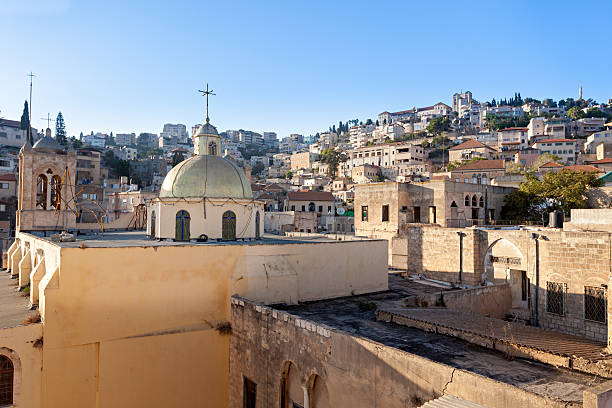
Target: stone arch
[474, 202]
[318, 395]
[467, 200]
[291, 389]
[311, 207]
[41, 191]
[501, 255]
[453, 205]
[56, 191]
[12, 356]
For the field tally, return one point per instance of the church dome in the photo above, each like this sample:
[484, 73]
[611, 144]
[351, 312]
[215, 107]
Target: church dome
[47, 144]
[206, 176]
[207, 129]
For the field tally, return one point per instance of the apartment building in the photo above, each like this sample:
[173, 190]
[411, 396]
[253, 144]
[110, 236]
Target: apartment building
[359, 135]
[554, 128]
[416, 114]
[471, 149]
[95, 140]
[387, 132]
[125, 139]
[11, 134]
[514, 138]
[302, 160]
[586, 126]
[270, 139]
[179, 131]
[597, 138]
[462, 102]
[565, 149]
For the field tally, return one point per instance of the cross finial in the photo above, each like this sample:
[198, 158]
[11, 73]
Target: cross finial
[206, 92]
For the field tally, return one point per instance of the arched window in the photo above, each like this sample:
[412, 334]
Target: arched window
[291, 387]
[212, 148]
[474, 202]
[453, 205]
[317, 392]
[311, 207]
[484, 179]
[182, 226]
[228, 226]
[153, 224]
[481, 202]
[56, 192]
[467, 200]
[41, 192]
[7, 372]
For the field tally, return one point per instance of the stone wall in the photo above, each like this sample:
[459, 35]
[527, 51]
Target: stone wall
[493, 301]
[574, 259]
[351, 371]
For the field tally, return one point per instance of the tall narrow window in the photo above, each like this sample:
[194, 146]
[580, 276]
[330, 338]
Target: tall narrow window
[555, 298]
[481, 202]
[467, 200]
[212, 148]
[6, 380]
[41, 192]
[56, 192]
[364, 213]
[385, 213]
[249, 393]
[474, 203]
[595, 303]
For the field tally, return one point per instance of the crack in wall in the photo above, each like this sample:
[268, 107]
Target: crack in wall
[449, 381]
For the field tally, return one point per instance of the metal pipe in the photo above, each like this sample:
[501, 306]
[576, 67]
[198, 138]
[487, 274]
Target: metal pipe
[537, 278]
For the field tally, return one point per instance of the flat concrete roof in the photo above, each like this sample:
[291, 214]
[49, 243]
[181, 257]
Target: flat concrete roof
[344, 314]
[14, 306]
[123, 239]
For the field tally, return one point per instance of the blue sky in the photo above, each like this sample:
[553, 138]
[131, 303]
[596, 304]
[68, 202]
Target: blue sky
[289, 66]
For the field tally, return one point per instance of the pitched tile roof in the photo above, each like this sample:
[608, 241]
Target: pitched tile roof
[470, 144]
[554, 140]
[482, 165]
[602, 161]
[311, 196]
[551, 164]
[583, 167]
[513, 129]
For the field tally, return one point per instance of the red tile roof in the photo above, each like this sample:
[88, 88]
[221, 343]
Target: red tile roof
[602, 161]
[513, 129]
[470, 144]
[265, 196]
[583, 167]
[8, 177]
[311, 196]
[511, 143]
[482, 165]
[551, 164]
[555, 140]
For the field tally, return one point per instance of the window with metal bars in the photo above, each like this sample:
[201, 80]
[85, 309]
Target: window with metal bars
[555, 297]
[6, 380]
[595, 303]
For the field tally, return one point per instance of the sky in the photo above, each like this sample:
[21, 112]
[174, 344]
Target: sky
[289, 66]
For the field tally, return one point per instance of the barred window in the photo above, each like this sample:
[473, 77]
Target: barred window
[555, 297]
[595, 303]
[6, 380]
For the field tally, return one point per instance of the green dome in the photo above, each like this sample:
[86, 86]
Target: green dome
[206, 176]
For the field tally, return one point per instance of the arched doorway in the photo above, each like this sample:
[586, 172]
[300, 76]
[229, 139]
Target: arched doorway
[504, 262]
[257, 221]
[291, 391]
[228, 226]
[318, 394]
[7, 372]
[152, 224]
[182, 226]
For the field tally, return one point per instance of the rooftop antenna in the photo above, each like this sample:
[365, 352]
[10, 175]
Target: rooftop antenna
[206, 92]
[49, 120]
[31, 75]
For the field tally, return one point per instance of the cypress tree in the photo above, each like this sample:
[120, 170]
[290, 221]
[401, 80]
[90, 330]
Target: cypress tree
[60, 129]
[25, 117]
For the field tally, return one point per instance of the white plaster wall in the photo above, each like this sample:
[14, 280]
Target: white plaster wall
[211, 224]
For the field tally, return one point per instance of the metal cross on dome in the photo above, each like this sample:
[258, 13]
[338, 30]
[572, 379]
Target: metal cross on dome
[206, 92]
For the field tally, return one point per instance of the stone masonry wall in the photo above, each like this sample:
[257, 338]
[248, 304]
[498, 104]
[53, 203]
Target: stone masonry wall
[356, 372]
[576, 259]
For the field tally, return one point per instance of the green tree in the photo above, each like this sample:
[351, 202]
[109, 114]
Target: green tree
[543, 159]
[177, 157]
[60, 129]
[258, 168]
[25, 122]
[333, 158]
[438, 125]
[575, 113]
[380, 177]
[289, 175]
[560, 191]
[368, 122]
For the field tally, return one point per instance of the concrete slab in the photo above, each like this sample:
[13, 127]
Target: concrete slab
[14, 308]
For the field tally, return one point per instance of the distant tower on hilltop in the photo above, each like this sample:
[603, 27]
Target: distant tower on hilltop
[580, 93]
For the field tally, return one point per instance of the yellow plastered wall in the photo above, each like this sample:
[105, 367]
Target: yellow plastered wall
[135, 326]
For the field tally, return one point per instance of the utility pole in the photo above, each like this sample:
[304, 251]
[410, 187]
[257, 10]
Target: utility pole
[30, 139]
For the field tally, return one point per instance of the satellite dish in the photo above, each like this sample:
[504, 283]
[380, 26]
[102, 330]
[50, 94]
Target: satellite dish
[340, 211]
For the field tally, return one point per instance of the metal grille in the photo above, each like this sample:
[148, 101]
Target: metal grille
[554, 297]
[6, 381]
[595, 303]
